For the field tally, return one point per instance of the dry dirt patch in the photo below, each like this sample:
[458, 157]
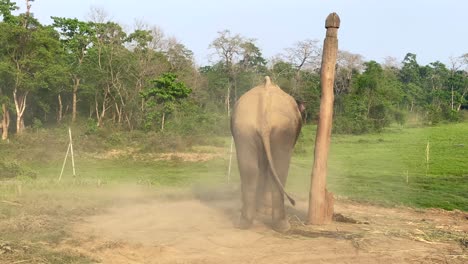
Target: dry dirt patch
[202, 231]
[134, 154]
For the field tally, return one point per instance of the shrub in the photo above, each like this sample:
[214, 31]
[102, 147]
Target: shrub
[14, 169]
[91, 126]
[400, 116]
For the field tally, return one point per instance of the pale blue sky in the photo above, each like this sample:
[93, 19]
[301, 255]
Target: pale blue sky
[432, 29]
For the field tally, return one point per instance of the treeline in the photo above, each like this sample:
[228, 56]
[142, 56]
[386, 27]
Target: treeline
[96, 73]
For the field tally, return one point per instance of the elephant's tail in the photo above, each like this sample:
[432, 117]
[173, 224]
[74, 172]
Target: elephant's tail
[267, 146]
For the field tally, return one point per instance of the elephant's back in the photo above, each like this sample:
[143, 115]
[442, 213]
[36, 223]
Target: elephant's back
[265, 106]
[248, 110]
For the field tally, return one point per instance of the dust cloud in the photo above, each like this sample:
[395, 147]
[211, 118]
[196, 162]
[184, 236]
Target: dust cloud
[200, 227]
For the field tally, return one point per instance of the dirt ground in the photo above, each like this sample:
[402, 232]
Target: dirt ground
[202, 230]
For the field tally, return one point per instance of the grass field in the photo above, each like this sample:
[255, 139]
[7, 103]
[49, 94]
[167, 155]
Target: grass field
[388, 169]
[392, 168]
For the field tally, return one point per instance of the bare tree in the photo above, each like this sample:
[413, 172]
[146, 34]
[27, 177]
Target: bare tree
[97, 15]
[391, 62]
[457, 64]
[178, 55]
[347, 64]
[464, 57]
[228, 49]
[158, 36]
[303, 55]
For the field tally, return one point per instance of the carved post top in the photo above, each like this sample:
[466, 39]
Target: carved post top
[332, 21]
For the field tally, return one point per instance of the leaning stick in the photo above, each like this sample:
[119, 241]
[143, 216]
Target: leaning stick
[64, 161]
[71, 150]
[230, 161]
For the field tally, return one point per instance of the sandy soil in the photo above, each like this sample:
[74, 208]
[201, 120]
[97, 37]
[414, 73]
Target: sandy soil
[203, 231]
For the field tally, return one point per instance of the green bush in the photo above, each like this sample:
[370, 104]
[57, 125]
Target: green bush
[400, 116]
[37, 124]
[189, 119]
[91, 126]
[454, 115]
[14, 169]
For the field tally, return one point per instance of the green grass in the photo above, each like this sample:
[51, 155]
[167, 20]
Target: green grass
[390, 168]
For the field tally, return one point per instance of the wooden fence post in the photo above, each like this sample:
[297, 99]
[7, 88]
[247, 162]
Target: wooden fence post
[320, 200]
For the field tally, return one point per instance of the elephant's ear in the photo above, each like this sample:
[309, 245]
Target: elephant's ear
[302, 109]
[301, 106]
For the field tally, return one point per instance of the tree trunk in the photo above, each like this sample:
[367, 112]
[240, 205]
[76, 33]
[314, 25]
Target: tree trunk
[119, 111]
[296, 79]
[228, 101]
[5, 121]
[162, 121]
[461, 99]
[20, 105]
[60, 110]
[76, 84]
[100, 115]
[129, 123]
[320, 200]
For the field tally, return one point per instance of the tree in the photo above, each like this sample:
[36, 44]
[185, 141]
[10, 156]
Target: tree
[76, 37]
[458, 82]
[213, 94]
[179, 57]
[372, 102]
[411, 79]
[252, 59]
[228, 48]
[348, 64]
[6, 69]
[147, 61]
[303, 55]
[107, 65]
[165, 91]
[28, 50]
[5, 113]
[251, 68]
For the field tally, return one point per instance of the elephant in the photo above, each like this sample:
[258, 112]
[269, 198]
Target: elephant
[265, 125]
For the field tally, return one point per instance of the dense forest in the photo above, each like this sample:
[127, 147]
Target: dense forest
[96, 74]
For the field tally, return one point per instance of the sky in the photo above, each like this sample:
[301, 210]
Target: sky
[434, 30]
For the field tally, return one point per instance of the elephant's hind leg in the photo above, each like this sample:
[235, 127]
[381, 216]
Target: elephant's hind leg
[247, 155]
[264, 192]
[281, 152]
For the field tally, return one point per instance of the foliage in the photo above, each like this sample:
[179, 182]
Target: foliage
[387, 168]
[191, 120]
[162, 97]
[372, 103]
[138, 80]
[13, 169]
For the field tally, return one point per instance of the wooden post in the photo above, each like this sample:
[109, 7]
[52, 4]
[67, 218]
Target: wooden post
[320, 200]
[64, 162]
[71, 151]
[230, 160]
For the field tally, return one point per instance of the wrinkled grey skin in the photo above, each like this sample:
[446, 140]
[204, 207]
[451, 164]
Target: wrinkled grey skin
[265, 125]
